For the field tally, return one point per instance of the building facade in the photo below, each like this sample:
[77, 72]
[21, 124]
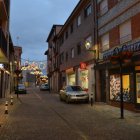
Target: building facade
[4, 47]
[53, 58]
[17, 57]
[76, 62]
[118, 27]
[102, 26]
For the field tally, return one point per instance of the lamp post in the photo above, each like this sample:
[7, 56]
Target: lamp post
[121, 56]
[17, 72]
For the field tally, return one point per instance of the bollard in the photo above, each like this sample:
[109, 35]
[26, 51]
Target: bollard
[6, 107]
[11, 101]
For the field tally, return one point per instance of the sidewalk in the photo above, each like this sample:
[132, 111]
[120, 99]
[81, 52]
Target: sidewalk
[114, 112]
[3, 116]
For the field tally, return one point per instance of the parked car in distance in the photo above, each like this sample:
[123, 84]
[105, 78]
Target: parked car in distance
[44, 86]
[73, 94]
[21, 89]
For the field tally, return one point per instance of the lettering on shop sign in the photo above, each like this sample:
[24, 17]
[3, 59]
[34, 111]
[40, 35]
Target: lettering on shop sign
[83, 65]
[135, 47]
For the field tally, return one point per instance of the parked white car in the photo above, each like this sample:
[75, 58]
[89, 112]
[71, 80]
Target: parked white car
[73, 94]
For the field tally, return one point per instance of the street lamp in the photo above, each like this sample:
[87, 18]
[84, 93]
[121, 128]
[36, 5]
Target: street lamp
[121, 56]
[17, 72]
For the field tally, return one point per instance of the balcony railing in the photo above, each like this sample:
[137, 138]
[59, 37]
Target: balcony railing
[3, 42]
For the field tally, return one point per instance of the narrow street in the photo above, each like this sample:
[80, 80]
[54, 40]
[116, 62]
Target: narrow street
[39, 115]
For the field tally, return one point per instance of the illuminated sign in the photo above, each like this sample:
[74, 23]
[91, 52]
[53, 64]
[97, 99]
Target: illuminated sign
[134, 47]
[83, 65]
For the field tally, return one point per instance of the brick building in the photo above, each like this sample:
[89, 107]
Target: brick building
[102, 26]
[4, 47]
[53, 58]
[118, 27]
[17, 53]
[76, 63]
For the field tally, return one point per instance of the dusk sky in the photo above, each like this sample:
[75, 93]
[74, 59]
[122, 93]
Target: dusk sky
[31, 22]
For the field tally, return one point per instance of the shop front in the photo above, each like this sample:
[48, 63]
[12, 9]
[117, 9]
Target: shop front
[70, 76]
[130, 75]
[83, 79]
[137, 75]
[128, 87]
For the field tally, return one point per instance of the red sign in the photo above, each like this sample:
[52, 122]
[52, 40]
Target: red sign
[83, 65]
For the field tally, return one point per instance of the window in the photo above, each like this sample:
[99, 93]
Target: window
[61, 58]
[105, 42]
[103, 7]
[72, 53]
[79, 20]
[125, 32]
[126, 85]
[88, 42]
[88, 11]
[71, 28]
[66, 34]
[66, 56]
[61, 40]
[79, 48]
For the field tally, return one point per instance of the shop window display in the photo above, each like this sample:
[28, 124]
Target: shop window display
[138, 87]
[71, 79]
[84, 79]
[115, 88]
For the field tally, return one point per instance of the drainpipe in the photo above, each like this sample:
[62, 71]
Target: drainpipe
[95, 18]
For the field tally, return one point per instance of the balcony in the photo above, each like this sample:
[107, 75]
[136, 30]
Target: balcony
[4, 9]
[3, 47]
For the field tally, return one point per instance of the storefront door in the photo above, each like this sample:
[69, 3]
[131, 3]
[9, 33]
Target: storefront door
[103, 86]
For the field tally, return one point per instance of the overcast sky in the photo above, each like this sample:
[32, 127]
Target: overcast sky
[31, 22]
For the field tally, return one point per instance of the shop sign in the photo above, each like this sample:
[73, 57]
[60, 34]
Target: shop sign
[129, 47]
[83, 65]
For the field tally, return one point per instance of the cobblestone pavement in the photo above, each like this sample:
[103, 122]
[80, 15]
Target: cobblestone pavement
[40, 115]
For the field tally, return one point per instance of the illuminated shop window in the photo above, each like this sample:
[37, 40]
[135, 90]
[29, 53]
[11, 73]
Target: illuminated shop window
[71, 79]
[138, 87]
[84, 79]
[115, 88]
